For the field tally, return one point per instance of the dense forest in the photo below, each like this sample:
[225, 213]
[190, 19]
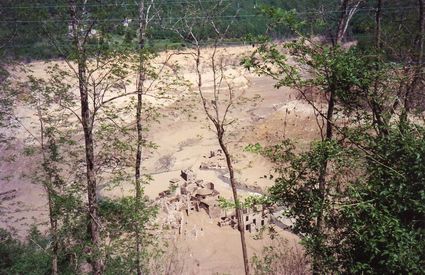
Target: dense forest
[355, 194]
[26, 27]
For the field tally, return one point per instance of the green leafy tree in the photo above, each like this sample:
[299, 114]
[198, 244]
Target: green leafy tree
[345, 224]
[29, 257]
[385, 215]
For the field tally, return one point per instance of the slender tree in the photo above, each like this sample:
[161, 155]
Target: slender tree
[48, 140]
[218, 107]
[49, 156]
[347, 10]
[217, 112]
[378, 25]
[347, 13]
[418, 53]
[144, 9]
[79, 44]
[326, 64]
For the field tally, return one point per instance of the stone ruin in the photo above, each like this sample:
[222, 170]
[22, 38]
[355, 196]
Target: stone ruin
[253, 219]
[215, 160]
[188, 194]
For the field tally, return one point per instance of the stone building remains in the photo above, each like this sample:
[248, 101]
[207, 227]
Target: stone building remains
[188, 194]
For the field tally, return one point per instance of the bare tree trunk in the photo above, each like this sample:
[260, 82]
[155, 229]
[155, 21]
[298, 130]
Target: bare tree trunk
[342, 26]
[419, 54]
[421, 31]
[378, 118]
[93, 216]
[139, 128]
[346, 15]
[219, 124]
[329, 115]
[48, 185]
[137, 174]
[324, 167]
[220, 133]
[139, 131]
[91, 176]
[341, 22]
[322, 184]
[53, 232]
[217, 109]
[378, 19]
[53, 224]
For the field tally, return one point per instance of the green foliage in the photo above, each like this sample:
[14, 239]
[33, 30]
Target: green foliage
[7, 98]
[29, 257]
[356, 199]
[386, 211]
[248, 202]
[373, 203]
[120, 215]
[373, 218]
[29, 27]
[283, 18]
[226, 204]
[173, 187]
[298, 191]
[253, 148]
[121, 219]
[349, 74]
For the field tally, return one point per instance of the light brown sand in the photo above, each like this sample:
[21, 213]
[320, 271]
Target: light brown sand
[185, 141]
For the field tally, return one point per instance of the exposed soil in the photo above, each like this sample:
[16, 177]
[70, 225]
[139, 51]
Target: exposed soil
[183, 142]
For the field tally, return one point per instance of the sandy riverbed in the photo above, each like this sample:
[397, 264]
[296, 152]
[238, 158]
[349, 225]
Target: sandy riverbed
[182, 143]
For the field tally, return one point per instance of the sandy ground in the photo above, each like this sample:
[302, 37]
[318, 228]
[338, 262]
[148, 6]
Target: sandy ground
[183, 142]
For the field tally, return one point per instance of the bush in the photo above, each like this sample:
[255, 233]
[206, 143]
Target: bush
[30, 257]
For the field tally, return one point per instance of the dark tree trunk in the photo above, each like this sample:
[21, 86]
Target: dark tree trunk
[377, 109]
[322, 183]
[346, 14]
[86, 121]
[419, 56]
[341, 22]
[93, 218]
[53, 232]
[49, 186]
[141, 80]
[324, 166]
[421, 31]
[220, 134]
[378, 19]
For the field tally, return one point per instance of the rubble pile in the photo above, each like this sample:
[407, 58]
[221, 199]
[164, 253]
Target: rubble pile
[188, 194]
[215, 160]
